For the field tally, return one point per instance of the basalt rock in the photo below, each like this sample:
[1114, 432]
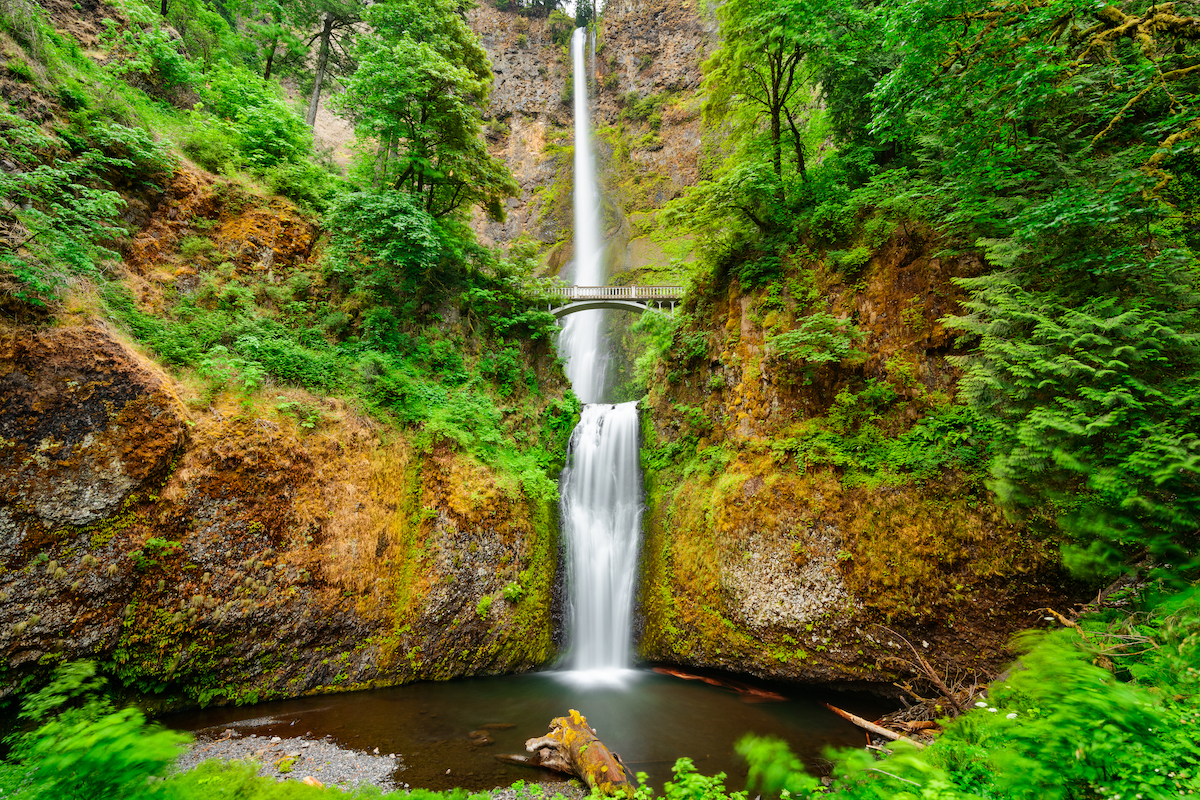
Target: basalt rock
[764, 553]
[83, 423]
[217, 554]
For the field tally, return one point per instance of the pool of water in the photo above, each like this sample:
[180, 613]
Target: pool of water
[648, 718]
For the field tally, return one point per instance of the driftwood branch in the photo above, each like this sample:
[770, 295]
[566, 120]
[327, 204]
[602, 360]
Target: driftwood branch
[572, 747]
[872, 727]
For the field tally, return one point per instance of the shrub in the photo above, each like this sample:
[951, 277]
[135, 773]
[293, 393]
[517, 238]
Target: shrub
[306, 183]
[264, 125]
[819, 338]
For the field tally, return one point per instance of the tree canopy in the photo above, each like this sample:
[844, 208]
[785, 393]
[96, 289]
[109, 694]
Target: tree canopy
[1059, 138]
[422, 79]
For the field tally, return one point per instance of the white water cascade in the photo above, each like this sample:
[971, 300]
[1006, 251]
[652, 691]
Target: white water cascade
[582, 338]
[602, 519]
[601, 483]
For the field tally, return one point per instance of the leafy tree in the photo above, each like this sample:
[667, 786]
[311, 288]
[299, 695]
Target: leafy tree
[761, 64]
[530, 8]
[421, 80]
[1053, 130]
[275, 24]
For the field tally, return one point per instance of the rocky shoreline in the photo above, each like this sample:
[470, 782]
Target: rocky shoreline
[298, 758]
[326, 763]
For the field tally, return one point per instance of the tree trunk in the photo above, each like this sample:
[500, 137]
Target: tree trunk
[799, 143]
[776, 149]
[572, 747]
[322, 61]
[270, 58]
[162, 11]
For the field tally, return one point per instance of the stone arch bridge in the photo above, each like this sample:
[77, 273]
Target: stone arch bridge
[569, 299]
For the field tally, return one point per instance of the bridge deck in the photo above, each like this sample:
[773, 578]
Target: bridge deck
[570, 294]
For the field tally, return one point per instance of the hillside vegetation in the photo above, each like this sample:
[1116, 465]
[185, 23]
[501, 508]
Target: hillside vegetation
[349, 415]
[947, 263]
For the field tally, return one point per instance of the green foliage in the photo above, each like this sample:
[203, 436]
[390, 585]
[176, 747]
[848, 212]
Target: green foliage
[1059, 140]
[819, 338]
[514, 592]
[65, 216]
[1058, 727]
[651, 334]
[560, 27]
[400, 236]
[483, 606]
[1096, 400]
[851, 262]
[83, 747]
[155, 548]
[262, 125]
[150, 54]
[422, 77]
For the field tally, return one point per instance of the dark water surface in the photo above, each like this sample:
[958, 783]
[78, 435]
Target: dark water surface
[650, 719]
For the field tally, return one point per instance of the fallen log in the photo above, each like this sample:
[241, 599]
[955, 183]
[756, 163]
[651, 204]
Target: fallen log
[872, 727]
[572, 747]
[749, 694]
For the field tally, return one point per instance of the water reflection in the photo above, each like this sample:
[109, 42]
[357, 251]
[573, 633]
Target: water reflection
[650, 719]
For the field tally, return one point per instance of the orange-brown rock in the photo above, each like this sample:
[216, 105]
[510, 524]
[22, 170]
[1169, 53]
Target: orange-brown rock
[250, 557]
[83, 423]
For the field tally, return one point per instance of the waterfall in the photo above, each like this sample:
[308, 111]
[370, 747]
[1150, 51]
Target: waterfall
[582, 338]
[602, 517]
[601, 484]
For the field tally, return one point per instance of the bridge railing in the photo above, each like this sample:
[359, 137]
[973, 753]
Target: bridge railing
[572, 293]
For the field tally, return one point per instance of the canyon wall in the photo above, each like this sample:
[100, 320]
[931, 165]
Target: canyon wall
[211, 546]
[776, 543]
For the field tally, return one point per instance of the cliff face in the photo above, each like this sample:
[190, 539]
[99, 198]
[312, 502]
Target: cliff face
[225, 556]
[767, 550]
[646, 52]
[220, 546]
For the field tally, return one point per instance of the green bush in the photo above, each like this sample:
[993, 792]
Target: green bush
[850, 262]
[150, 54]
[263, 124]
[1058, 727]
[306, 183]
[211, 146]
[82, 746]
[819, 338]
[68, 216]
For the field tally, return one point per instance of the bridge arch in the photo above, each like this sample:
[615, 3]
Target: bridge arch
[617, 305]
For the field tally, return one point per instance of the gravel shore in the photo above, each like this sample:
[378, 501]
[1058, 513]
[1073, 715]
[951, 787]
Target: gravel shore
[296, 759]
[333, 765]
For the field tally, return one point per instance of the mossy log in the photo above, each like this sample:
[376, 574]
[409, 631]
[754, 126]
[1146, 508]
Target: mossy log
[572, 747]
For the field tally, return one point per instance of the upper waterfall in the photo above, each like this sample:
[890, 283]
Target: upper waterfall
[582, 338]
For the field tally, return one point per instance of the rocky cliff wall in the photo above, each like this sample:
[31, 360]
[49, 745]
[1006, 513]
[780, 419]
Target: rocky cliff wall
[770, 548]
[220, 546]
[220, 556]
[646, 50]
